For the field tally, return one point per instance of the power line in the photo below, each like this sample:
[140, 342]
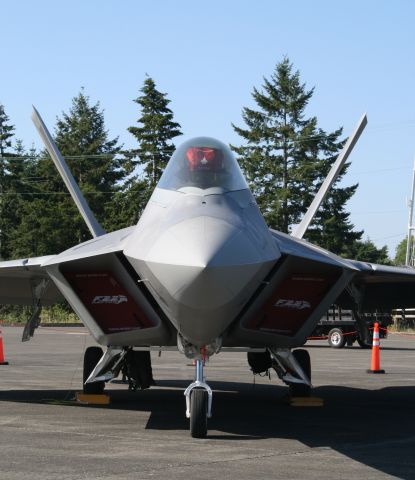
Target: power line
[379, 212]
[117, 156]
[57, 193]
[390, 236]
[380, 170]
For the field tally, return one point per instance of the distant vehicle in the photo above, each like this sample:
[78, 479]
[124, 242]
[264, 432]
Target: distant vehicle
[341, 327]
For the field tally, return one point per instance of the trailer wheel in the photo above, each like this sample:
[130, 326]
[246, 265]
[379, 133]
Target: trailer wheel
[336, 338]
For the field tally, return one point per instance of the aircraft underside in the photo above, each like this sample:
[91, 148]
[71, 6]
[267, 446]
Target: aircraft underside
[115, 303]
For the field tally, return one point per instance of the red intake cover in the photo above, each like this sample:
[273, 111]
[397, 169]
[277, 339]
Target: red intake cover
[291, 304]
[108, 302]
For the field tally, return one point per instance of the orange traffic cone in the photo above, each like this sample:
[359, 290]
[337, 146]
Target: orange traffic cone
[375, 368]
[2, 362]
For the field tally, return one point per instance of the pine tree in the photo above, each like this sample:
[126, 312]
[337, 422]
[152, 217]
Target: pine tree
[154, 136]
[13, 166]
[400, 253]
[128, 205]
[6, 132]
[51, 222]
[286, 158]
[18, 188]
[366, 251]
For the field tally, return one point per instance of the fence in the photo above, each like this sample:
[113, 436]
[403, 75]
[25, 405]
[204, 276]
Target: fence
[403, 318]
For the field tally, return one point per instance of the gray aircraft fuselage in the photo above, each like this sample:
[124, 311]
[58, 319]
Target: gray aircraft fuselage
[201, 262]
[202, 257]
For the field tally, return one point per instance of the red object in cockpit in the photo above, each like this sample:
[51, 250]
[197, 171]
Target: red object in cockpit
[204, 158]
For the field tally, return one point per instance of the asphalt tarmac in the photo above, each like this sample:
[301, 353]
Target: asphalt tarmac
[365, 430]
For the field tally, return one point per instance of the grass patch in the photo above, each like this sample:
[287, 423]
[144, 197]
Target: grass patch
[400, 329]
[18, 315]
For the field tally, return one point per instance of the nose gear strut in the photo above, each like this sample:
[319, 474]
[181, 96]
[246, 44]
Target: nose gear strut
[198, 402]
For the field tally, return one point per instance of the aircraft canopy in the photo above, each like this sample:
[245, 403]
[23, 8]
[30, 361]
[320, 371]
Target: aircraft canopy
[203, 163]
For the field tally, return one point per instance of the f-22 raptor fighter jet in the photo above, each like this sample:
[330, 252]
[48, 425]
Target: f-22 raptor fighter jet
[200, 272]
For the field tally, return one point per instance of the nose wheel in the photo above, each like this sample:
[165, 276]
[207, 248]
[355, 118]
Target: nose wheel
[198, 403]
[198, 413]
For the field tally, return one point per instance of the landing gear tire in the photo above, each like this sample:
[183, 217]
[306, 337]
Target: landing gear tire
[300, 389]
[91, 358]
[198, 413]
[363, 344]
[350, 339]
[336, 338]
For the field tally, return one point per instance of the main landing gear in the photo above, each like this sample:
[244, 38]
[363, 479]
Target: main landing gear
[294, 369]
[100, 368]
[198, 402]
[303, 359]
[91, 358]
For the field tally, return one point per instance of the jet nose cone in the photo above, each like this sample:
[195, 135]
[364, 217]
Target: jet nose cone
[204, 262]
[202, 242]
[202, 270]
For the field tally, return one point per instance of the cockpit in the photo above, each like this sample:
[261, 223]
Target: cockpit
[203, 165]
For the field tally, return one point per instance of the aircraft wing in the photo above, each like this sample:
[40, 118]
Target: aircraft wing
[377, 287]
[18, 278]
[372, 286]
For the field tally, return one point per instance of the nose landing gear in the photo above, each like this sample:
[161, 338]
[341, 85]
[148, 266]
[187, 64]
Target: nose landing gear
[198, 402]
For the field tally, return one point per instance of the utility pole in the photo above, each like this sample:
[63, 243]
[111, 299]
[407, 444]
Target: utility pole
[1, 194]
[409, 260]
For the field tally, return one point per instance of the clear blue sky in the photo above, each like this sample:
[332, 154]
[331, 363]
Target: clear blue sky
[359, 56]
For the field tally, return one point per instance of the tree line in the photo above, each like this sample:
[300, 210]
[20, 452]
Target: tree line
[284, 155]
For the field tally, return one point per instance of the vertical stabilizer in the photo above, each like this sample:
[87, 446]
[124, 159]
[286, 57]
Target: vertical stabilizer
[94, 227]
[301, 228]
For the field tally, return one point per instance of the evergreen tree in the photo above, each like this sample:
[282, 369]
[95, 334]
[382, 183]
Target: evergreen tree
[366, 251]
[331, 228]
[13, 166]
[286, 158]
[51, 222]
[129, 203]
[18, 191]
[400, 254]
[154, 135]
[6, 132]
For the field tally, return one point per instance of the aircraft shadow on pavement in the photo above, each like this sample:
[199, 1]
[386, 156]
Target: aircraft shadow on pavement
[373, 427]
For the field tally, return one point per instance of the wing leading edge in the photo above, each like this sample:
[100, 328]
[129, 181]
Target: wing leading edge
[382, 287]
[372, 286]
[20, 278]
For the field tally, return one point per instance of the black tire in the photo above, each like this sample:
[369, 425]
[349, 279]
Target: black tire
[336, 338]
[198, 413]
[363, 344]
[138, 369]
[299, 389]
[350, 339]
[91, 358]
